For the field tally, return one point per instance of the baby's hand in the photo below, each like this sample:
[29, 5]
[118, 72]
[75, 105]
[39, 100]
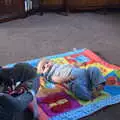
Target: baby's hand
[71, 77]
[78, 64]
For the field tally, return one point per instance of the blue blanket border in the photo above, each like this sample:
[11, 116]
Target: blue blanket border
[87, 109]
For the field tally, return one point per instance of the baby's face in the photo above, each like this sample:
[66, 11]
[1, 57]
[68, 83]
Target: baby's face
[46, 66]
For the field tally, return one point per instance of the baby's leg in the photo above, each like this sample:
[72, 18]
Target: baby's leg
[79, 86]
[95, 78]
[80, 90]
[96, 81]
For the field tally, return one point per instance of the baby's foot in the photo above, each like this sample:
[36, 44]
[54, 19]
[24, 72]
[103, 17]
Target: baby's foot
[100, 87]
[96, 93]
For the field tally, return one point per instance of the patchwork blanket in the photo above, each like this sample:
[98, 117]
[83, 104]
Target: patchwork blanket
[62, 104]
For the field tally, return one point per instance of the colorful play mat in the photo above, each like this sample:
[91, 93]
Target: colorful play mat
[62, 104]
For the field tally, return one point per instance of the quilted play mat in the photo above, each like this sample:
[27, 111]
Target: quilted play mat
[62, 104]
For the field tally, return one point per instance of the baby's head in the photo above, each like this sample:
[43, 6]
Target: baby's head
[44, 65]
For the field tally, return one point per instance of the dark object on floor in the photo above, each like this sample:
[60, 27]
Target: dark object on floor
[11, 9]
[64, 6]
[21, 72]
[13, 102]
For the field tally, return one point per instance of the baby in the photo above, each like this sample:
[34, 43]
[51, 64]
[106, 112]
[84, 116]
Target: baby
[84, 83]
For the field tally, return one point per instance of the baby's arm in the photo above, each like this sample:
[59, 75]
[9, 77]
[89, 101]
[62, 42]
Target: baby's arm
[78, 64]
[60, 80]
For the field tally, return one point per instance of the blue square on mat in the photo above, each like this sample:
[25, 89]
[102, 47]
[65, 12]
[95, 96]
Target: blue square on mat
[82, 58]
[112, 90]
